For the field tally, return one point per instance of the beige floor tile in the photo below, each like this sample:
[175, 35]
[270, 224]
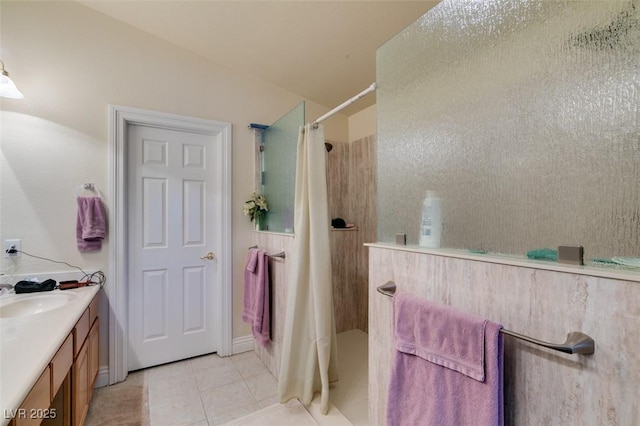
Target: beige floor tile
[269, 401]
[248, 364]
[180, 411]
[211, 390]
[217, 376]
[209, 361]
[165, 371]
[225, 399]
[262, 386]
[162, 391]
[235, 414]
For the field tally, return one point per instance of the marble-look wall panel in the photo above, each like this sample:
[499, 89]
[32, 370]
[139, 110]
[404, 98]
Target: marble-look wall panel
[351, 181]
[338, 180]
[275, 243]
[362, 204]
[541, 386]
[347, 297]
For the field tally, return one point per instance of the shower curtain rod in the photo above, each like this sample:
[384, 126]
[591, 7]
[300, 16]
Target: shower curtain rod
[345, 104]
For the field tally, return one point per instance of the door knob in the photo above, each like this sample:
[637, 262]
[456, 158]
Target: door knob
[209, 256]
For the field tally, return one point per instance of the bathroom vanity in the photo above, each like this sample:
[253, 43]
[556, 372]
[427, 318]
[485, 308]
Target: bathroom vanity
[48, 356]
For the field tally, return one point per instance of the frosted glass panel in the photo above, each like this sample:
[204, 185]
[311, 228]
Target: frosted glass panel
[523, 115]
[279, 143]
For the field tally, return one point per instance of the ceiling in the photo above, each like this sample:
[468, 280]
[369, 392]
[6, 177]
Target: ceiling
[321, 50]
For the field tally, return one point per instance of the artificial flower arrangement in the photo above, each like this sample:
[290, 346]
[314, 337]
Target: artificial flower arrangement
[256, 207]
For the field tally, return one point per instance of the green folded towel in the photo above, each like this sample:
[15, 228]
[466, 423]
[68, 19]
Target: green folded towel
[604, 261]
[627, 261]
[477, 251]
[543, 254]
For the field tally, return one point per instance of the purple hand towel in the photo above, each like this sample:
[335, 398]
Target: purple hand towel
[91, 224]
[255, 309]
[248, 304]
[447, 367]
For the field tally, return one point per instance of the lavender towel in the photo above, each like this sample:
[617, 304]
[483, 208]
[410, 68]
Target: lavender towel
[256, 295]
[447, 367]
[91, 224]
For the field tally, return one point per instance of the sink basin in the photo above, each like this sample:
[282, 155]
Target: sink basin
[23, 305]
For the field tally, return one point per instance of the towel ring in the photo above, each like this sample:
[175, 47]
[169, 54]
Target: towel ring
[88, 187]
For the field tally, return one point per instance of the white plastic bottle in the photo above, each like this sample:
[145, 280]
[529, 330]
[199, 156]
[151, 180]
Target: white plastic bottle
[431, 226]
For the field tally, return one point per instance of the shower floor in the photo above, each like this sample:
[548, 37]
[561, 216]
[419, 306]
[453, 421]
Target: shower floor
[350, 394]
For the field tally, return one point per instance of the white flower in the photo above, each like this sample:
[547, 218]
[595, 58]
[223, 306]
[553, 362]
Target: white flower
[256, 206]
[262, 203]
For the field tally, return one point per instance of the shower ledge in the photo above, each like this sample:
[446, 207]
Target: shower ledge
[630, 274]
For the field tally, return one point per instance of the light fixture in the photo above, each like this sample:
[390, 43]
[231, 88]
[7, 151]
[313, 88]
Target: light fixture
[8, 88]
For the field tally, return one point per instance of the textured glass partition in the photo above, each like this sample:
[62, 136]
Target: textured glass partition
[279, 143]
[524, 116]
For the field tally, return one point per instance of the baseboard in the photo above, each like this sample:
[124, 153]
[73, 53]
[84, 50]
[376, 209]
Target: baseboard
[103, 377]
[242, 344]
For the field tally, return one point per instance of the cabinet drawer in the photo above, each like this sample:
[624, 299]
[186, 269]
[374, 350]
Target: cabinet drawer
[61, 364]
[36, 405]
[80, 332]
[93, 309]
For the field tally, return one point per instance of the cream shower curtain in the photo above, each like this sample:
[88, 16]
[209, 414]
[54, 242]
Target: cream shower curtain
[309, 348]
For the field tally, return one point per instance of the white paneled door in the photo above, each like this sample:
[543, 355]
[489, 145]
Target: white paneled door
[174, 189]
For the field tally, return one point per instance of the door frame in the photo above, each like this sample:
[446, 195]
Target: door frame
[116, 288]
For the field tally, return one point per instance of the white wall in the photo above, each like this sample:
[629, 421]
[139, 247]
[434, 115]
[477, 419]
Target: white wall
[363, 123]
[71, 63]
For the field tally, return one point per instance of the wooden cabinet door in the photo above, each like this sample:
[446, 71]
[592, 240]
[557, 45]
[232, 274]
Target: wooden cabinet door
[60, 411]
[36, 405]
[80, 386]
[94, 353]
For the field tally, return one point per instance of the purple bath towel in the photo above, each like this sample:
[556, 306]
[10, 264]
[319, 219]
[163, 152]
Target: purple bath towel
[91, 224]
[447, 367]
[255, 309]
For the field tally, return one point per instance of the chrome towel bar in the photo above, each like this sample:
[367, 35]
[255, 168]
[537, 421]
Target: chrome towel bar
[576, 343]
[280, 255]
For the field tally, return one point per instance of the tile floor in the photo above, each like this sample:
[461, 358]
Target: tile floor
[210, 390]
[207, 390]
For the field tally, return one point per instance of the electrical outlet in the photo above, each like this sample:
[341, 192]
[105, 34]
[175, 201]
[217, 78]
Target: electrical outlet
[15, 244]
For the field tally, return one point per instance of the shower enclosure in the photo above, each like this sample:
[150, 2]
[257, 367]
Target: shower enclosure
[278, 169]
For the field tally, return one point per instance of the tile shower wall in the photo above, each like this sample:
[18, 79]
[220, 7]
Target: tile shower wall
[352, 196]
[541, 386]
[523, 115]
[347, 291]
[362, 204]
[351, 183]
[338, 180]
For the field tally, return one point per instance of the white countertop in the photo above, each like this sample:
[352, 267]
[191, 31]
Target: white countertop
[28, 343]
